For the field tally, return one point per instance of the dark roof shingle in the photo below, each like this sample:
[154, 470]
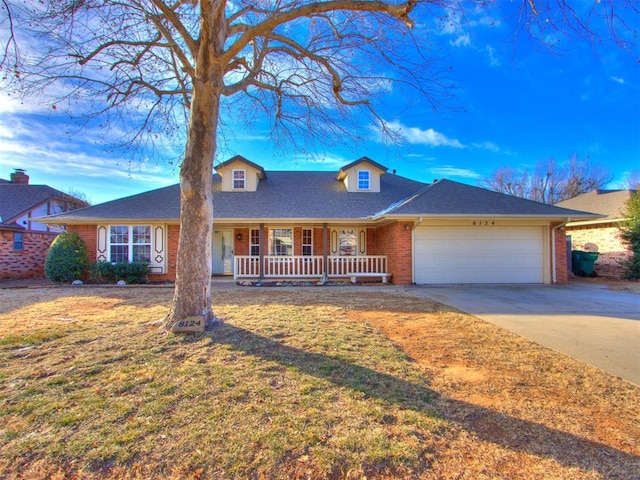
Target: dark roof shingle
[289, 195]
[610, 203]
[446, 197]
[17, 199]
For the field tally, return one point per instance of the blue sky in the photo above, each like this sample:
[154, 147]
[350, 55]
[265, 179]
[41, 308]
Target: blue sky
[513, 105]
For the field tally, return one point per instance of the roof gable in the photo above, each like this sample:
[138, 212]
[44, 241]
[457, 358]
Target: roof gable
[362, 162]
[362, 176]
[239, 158]
[449, 198]
[610, 203]
[18, 199]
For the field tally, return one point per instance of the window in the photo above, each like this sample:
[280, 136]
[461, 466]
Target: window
[307, 241]
[281, 241]
[348, 242]
[18, 241]
[130, 243]
[239, 179]
[254, 247]
[363, 179]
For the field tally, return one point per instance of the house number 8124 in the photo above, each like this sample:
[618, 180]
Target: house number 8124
[483, 223]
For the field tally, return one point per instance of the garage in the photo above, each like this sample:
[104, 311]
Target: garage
[479, 254]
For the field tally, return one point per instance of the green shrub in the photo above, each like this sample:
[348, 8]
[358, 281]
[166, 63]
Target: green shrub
[133, 272]
[630, 235]
[105, 272]
[102, 272]
[67, 258]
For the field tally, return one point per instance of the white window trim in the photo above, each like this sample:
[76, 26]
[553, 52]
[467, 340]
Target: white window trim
[356, 250]
[244, 179]
[130, 243]
[251, 244]
[368, 180]
[271, 241]
[306, 244]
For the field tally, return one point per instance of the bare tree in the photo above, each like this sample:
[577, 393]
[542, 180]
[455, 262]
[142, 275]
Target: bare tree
[150, 66]
[582, 176]
[632, 181]
[508, 180]
[549, 182]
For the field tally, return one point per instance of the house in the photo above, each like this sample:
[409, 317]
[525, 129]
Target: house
[600, 234]
[359, 223]
[24, 241]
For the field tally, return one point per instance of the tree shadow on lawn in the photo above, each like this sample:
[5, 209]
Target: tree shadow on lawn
[492, 426]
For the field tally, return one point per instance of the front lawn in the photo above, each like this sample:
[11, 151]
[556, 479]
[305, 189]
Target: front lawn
[329, 382]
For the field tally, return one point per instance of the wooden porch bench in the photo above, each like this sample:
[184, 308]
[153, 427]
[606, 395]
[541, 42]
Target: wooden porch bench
[354, 276]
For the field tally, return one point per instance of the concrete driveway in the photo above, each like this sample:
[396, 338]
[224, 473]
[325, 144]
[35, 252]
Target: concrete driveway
[590, 323]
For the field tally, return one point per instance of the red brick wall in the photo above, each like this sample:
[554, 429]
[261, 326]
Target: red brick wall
[394, 241]
[317, 241]
[604, 239]
[88, 233]
[562, 276]
[241, 247]
[173, 235]
[27, 263]
[372, 244]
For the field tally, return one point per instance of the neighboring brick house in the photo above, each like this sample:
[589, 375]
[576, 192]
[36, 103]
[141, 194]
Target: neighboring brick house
[600, 234]
[24, 241]
[358, 223]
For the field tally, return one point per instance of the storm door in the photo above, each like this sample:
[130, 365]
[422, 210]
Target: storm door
[222, 252]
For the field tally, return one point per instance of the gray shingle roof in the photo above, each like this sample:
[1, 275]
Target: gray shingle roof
[16, 199]
[446, 197]
[610, 203]
[319, 196]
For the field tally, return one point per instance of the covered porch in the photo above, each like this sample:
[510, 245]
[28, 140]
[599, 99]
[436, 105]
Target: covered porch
[320, 252]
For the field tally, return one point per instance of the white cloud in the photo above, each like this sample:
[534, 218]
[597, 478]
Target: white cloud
[493, 59]
[618, 80]
[486, 145]
[418, 136]
[461, 41]
[73, 162]
[446, 171]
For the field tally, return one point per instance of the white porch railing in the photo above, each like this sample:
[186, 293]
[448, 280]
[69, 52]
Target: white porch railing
[307, 266]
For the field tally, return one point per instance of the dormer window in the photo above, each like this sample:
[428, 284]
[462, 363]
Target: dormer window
[240, 175]
[239, 179]
[364, 180]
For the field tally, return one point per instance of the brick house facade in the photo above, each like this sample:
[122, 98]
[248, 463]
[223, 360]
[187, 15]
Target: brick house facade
[24, 240]
[361, 225]
[27, 261]
[601, 234]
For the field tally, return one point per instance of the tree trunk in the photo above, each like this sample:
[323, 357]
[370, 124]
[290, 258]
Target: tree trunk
[192, 296]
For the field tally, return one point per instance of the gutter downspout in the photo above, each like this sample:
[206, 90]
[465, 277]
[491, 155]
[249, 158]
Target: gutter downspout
[413, 249]
[554, 274]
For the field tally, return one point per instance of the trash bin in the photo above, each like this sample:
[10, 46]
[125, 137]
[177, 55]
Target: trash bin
[582, 263]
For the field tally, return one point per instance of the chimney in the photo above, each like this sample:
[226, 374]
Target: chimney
[20, 177]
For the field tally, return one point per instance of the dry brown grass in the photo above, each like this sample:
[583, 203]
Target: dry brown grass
[297, 383]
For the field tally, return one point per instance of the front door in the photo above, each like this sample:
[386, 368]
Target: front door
[222, 252]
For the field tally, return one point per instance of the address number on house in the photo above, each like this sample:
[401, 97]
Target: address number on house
[483, 223]
[190, 324]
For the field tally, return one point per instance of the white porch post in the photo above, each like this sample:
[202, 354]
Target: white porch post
[325, 254]
[261, 256]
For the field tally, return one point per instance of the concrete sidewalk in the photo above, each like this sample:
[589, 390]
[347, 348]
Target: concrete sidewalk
[590, 323]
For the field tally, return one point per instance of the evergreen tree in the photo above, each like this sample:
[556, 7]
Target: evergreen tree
[630, 234]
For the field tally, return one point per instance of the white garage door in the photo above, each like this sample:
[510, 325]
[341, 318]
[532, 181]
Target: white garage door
[479, 255]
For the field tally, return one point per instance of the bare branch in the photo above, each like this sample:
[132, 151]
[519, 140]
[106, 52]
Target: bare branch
[307, 10]
[171, 16]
